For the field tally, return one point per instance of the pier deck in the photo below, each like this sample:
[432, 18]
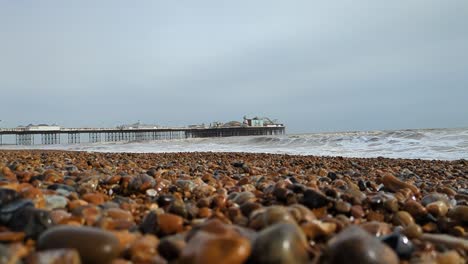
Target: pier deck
[94, 135]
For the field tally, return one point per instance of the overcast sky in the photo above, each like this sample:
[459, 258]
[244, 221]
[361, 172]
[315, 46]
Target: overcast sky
[313, 65]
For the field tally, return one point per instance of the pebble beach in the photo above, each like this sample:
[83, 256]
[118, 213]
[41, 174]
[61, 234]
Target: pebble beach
[85, 207]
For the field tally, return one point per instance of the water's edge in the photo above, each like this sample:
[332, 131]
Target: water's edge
[443, 144]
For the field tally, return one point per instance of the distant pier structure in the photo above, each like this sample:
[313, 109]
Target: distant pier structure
[47, 135]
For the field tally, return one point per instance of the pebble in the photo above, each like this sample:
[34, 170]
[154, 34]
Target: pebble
[266, 216]
[449, 257]
[94, 245]
[394, 184]
[162, 224]
[280, 243]
[403, 218]
[170, 247]
[55, 202]
[402, 246]
[56, 256]
[314, 199]
[377, 229]
[447, 240]
[8, 195]
[354, 245]
[434, 197]
[144, 249]
[437, 208]
[459, 213]
[413, 231]
[206, 247]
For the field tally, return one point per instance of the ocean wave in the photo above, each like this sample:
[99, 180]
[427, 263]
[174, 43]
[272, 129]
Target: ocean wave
[445, 144]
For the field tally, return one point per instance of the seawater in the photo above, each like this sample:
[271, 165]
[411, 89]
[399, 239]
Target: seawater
[443, 144]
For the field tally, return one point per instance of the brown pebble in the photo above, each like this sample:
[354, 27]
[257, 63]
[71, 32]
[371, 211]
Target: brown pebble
[402, 218]
[449, 257]
[394, 184]
[413, 231]
[94, 245]
[459, 213]
[144, 248]
[94, 198]
[170, 224]
[437, 208]
[211, 248]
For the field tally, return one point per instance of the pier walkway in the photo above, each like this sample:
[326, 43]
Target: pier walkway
[22, 136]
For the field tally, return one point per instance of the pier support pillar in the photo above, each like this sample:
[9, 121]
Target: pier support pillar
[94, 137]
[50, 138]
[24, 139]
[74, 138]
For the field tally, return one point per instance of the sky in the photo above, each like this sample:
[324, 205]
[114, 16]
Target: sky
[313, 65]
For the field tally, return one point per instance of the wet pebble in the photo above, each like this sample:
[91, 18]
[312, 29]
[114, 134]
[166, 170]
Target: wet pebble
[280, 243]
[354, 245]
[402, 246]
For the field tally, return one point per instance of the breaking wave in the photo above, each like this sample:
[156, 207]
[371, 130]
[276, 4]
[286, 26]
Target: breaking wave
[444, 144]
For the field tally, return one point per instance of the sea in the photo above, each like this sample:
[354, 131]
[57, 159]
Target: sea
[429, 144]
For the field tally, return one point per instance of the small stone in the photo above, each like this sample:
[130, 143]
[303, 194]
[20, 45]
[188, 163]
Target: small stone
[170, 247]
[402, 218]
[434, 197]
[459, 213]
[8, 195]
[9, 236]
[413, 231]
[357, 211]
[206, 247]
[400, 244]
[119, 214]
[354, 245]
[314, 199]
[394, 184]
[377, 229]
[280, 243]
[94, 245]
[94, 198]
[243, 197]
[55, 202]
[31, 221]
[151, 192]
[266, 216]
[141, 183]
[437, 208]
[414, 208]
[144, 249]
[447, 240]
[170, 224]
[161, 225]
[450, 257]
[342, 207]
[316, 228]
[56, 256]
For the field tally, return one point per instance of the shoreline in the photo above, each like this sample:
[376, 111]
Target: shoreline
[185, 207]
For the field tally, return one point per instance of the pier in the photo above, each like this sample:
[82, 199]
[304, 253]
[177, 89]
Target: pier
[22, 136]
